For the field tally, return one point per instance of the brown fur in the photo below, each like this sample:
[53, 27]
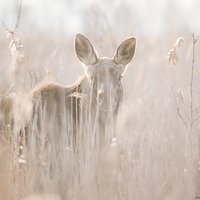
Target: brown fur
[88, 106]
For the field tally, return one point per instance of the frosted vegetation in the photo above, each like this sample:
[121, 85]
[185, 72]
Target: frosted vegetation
[60, 142]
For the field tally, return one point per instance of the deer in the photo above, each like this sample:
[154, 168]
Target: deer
[91, 104]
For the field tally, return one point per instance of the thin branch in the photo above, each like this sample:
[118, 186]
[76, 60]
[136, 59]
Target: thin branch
[195, 39]
[195, 120]
[18, 17]
[195, 109]
[9, 89]
[191, 79]
[17, 22]
[179, 110]
[4, 26]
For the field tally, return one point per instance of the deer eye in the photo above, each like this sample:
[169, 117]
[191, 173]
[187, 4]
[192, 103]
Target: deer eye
[120, 78]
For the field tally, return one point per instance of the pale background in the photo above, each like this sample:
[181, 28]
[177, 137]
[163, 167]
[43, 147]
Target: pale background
[144, 17]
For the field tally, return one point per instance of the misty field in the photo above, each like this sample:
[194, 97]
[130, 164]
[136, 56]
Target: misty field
[155, 153]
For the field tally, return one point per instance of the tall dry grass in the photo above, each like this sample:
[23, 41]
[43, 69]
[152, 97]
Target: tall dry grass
[154, 156]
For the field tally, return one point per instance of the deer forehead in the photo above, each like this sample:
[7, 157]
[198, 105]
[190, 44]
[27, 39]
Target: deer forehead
[105, 67]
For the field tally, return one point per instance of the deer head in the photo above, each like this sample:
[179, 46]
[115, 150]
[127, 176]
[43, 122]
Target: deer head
[105, 74]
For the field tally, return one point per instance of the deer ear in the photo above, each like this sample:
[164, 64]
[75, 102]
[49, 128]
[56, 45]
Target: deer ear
[84, 50]
[125, 51]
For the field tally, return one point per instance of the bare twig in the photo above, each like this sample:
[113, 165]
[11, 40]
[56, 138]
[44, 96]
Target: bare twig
[4, 25]
[195, 109]
[195, 39]
[179, 110]
[11, 32]
[9, 89]
[18, 17]
[195, 120]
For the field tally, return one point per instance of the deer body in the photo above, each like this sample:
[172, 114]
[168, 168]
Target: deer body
[92, 102]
